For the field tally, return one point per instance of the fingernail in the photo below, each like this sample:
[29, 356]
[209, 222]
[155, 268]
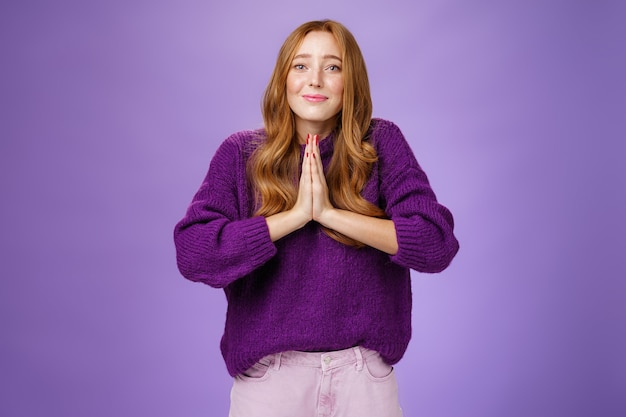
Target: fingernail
[307, 154]
[307, 138]
[316, 139]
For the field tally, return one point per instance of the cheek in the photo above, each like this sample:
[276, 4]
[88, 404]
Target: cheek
[289, 87]
[293, 85]
[338, 86]
[291, 91]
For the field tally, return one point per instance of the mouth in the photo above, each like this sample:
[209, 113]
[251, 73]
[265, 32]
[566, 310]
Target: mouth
[314, 98]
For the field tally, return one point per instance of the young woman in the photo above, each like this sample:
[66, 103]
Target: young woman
[310, 226]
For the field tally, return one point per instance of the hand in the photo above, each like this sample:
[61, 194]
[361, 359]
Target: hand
[304, 200]
[320, 196]
[312, 200]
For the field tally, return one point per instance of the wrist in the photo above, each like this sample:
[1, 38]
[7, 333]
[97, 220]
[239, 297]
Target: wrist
[283, 223]
[297, 218]
[327, 216]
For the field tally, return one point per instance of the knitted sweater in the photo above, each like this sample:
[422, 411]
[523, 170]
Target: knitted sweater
[306, 291]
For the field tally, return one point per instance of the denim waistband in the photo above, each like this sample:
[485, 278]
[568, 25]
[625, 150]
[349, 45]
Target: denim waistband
[324, 360]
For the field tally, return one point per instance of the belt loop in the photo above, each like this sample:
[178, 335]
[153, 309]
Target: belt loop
[277, 361]
[359, 358]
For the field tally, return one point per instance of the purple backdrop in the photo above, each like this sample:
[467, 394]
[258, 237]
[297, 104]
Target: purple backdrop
[111, 111]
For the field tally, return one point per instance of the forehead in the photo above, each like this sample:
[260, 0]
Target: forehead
[319, 43]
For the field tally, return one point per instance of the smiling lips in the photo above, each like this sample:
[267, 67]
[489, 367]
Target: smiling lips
[314, 98]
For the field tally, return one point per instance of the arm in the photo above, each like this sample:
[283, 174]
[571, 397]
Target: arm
[424, 228]
[419, 234]
[215, 243]
[372, 231]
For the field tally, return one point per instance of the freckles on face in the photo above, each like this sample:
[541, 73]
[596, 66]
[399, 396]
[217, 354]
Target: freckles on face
[315, 80]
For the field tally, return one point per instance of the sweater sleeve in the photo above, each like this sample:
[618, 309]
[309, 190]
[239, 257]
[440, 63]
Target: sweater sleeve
[215, 243]
[424, 228]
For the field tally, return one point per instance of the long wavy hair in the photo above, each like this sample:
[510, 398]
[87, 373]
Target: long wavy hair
[274, 166]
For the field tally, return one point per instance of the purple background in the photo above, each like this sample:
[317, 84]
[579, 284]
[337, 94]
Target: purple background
[110, 112]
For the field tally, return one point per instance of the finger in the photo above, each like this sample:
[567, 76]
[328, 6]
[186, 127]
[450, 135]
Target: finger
[317, 176]
[307, 154]
[314, 157]
[310, 164]
[317, 158]
[307, 147]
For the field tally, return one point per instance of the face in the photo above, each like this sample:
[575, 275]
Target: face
[315, 84]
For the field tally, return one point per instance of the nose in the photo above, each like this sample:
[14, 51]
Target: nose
[316, 79]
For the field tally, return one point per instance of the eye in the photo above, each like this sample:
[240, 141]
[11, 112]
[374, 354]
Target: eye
[334, 68]
[299, 67]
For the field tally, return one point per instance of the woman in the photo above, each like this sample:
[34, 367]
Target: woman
[310, 226]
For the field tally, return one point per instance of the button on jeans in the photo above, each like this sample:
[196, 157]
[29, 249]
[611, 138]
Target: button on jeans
[348, 383]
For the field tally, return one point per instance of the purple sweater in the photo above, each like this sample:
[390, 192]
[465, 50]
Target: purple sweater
[306, 291]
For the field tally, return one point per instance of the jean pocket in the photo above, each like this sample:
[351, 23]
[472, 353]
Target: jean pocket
[257, 372]
[377, 369]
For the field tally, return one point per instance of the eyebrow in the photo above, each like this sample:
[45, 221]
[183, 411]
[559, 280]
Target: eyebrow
[325, 56]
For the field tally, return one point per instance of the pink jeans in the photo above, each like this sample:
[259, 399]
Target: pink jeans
[348, 383]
